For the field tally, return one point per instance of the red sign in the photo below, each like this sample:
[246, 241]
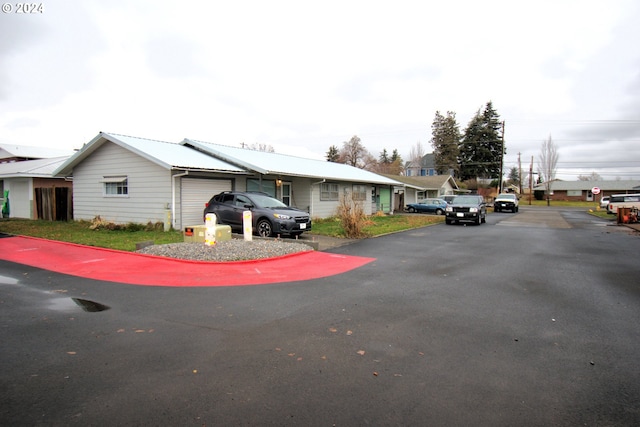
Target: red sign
[595, 190]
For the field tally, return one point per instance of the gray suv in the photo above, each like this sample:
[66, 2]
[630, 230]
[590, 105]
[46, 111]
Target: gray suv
[470, 208]
[270, 217]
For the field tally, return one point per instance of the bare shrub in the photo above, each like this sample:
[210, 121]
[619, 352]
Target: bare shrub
[352, 216]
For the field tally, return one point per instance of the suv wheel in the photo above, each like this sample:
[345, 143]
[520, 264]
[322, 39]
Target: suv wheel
[264, 228]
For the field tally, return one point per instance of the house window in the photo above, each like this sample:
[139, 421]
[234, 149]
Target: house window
[329, 191]
[359, 192]
[574, 193]
[266, 186]
[116, 186]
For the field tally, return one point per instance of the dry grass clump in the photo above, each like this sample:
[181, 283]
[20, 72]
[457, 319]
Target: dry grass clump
[352, 216]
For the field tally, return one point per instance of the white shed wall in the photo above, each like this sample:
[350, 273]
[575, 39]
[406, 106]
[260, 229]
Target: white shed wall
[149, 187]
[20, 197]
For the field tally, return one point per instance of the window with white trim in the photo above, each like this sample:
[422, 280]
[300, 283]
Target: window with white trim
[359, 192]
[115, 186]
[329, 191]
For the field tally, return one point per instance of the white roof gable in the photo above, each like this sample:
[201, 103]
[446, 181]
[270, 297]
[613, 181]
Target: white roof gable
[165, 154]
[281, 164]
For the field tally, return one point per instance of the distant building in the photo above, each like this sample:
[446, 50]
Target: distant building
[427, 167]
[581, 190]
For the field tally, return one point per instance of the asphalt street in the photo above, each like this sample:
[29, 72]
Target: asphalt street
[530, 319]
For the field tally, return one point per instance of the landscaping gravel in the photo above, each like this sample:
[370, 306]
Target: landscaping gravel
[230, 250]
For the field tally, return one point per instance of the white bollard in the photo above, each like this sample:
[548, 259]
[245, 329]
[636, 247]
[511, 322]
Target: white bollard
[247, 226]
[210, 231]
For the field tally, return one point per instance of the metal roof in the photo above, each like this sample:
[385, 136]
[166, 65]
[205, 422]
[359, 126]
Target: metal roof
[280, 164]
[31, 168]
[433, 182]
[24, 151]
[168, 155]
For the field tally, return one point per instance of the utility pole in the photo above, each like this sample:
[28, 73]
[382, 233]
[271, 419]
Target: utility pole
[501, 160]
[531, 180]
[519, 173]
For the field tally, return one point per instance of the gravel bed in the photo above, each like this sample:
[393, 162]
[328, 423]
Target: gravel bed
[230, 250]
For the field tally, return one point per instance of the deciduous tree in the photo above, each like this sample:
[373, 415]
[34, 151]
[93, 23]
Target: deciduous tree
[547, 164]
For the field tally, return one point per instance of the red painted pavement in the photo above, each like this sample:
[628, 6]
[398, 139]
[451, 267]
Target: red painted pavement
[139, 269]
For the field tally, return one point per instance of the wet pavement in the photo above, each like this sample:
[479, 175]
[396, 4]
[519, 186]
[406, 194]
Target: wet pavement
[498, 324]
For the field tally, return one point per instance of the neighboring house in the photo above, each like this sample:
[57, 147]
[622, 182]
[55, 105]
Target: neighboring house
[32, 191]
[127, 179]
[417, 188]
[581, 190]
[427, 167]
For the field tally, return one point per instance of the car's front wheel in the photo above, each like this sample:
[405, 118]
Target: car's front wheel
[264, 228]
[439, 212]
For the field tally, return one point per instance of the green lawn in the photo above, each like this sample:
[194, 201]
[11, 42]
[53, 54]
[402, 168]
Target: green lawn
[376, 225]
[79, 232]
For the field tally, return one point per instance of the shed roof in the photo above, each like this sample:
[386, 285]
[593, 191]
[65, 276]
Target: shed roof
[8, 151]
[281, 164]
[31, 168]
[165, 154]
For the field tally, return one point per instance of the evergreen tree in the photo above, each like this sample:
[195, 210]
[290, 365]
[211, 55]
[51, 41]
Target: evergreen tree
[384, 157]
[481, 148]
[395, 156]
[333, 155]
[446, 141]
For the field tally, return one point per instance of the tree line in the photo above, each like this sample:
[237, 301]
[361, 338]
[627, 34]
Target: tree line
[475, 153]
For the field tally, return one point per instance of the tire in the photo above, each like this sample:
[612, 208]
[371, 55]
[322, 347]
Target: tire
[448, 221]
[496, 210]
[412, 210]
[264, 228]
[439, 212]
[516, 209]
[484, 219]
[479, 220]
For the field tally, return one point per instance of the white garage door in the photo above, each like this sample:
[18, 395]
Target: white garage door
[195, 194]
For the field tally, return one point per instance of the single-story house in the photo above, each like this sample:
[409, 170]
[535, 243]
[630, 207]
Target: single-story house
[129, 179]
[581, 190]
[416, 188]
[28, 190]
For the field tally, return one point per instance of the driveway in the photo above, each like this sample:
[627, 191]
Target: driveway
[520, 321]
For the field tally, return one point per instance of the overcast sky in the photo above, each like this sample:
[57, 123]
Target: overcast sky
[302, 76]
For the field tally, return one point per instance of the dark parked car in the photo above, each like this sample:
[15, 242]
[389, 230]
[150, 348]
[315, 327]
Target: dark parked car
[467, 209]
[436, 206]
[270, 216]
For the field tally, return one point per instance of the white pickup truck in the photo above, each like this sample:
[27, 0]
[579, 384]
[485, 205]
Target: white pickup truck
[506, 201]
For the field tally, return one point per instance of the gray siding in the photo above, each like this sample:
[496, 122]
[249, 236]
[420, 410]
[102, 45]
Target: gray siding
[149, 187]
[328, 208]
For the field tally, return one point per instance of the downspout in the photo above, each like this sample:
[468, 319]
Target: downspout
[311, 195]
[173, 196]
